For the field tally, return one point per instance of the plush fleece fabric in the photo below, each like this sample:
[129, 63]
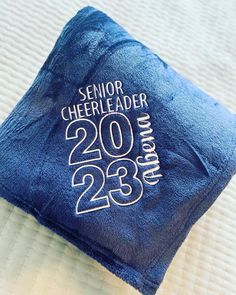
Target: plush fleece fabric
[115, 151]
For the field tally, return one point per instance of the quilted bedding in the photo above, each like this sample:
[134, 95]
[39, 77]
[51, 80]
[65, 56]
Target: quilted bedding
[37, 261]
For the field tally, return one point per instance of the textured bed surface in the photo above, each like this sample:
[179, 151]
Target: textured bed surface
[198, 38]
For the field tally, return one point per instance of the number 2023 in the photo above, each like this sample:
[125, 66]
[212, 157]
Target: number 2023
[127, 189]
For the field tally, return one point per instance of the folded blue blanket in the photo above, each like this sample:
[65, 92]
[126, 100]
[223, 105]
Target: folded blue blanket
[115, 151]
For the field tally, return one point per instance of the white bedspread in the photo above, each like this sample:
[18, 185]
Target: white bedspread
[198, 38]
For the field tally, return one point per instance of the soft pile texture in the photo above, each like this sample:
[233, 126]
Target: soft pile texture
[203, 144]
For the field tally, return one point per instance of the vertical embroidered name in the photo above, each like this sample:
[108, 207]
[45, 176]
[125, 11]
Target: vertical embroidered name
[150, 162]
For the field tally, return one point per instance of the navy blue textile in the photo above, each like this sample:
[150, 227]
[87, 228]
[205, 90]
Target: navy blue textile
[115, 151]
